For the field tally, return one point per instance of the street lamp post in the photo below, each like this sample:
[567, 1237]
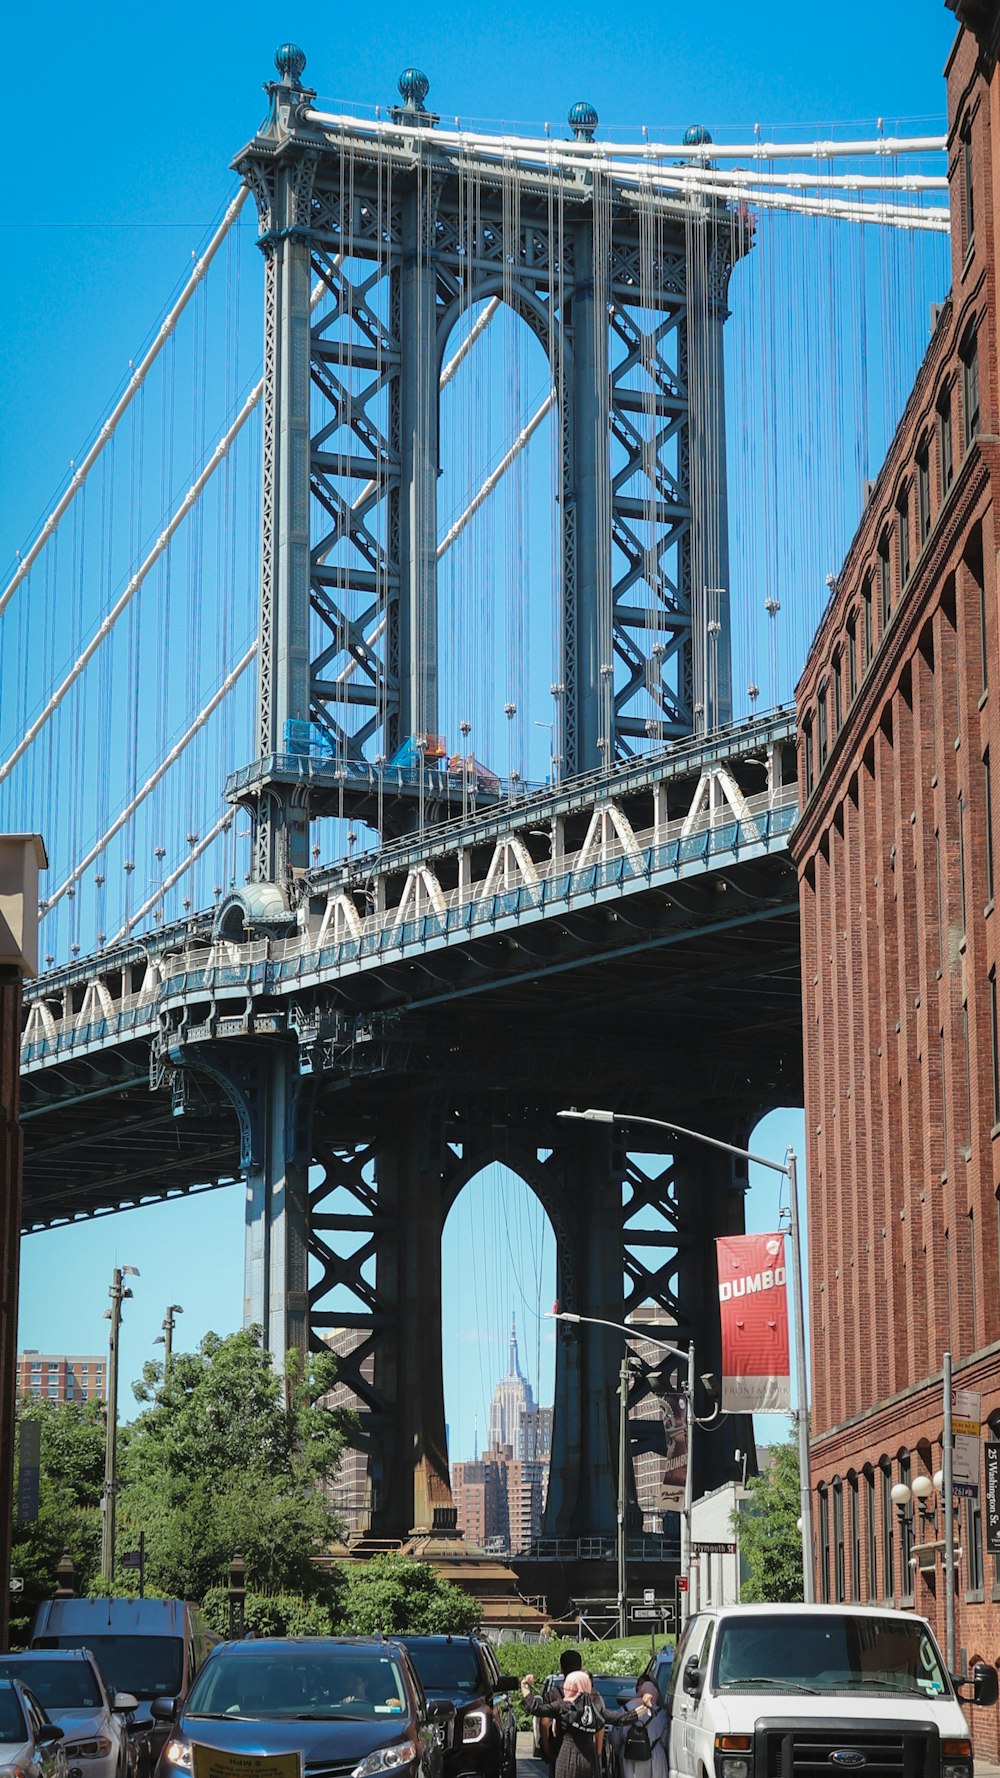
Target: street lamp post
[118, 1294]
[639, 1331]
[788, 1168]
[166, 1338]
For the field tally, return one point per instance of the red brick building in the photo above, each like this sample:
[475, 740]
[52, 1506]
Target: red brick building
[899, 772]
[44, 1376]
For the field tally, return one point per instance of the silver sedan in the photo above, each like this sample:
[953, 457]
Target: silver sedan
[30, 1745]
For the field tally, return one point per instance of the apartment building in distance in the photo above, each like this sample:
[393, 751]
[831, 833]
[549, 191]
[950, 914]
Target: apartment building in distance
[46, 1376]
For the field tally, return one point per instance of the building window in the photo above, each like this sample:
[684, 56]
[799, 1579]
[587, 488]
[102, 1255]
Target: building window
[995, 1045]
[824, 1545]
[988, 823]
[903, 531]
[969, 355]
[866, 622]
[945, 441]
[821, 735]
[905, 1535]
[888, 1533]
[838, 1539]
[838, 716]
[807, 748]
[974, 1546]
[852, 656]
[923, 490]
[939, 898]
[855, 1541]
[884, 580]
[961, 855]
[968, 190]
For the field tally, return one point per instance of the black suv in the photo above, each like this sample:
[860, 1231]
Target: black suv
[465, 1672]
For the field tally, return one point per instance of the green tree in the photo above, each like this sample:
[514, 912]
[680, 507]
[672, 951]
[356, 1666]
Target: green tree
[769, 1538]
[228, 1455]
[69, 1507]
[399, 1596]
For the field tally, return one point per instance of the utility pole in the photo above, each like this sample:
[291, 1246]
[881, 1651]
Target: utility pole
[118, 1293]
[948, 1507]
[623, 1384]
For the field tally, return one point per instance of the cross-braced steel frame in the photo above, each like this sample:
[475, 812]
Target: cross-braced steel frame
[375, 247]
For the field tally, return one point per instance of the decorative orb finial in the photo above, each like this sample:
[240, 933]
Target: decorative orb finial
[290, 61]
[696, 136]
[414, 87]
[583, 120]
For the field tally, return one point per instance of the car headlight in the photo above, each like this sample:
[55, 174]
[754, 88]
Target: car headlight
[98, 1748]
[179, 1754]
[386, 1759]
[474, 1725]
[956, 1758]
[734, 1756]
[12, 1772]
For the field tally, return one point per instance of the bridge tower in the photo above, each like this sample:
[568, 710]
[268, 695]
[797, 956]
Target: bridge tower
[357, 1133]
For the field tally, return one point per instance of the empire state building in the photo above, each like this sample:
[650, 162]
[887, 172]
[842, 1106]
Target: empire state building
[515, 1418]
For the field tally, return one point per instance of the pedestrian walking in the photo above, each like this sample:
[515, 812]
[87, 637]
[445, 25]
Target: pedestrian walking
[642, 1747]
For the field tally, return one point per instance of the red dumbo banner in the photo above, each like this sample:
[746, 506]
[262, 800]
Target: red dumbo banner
[753, 1309]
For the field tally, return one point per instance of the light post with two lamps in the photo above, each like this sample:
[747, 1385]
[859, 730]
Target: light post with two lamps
[166, 1338]
[639, 1330]
[788, 1169]
[119, 1293]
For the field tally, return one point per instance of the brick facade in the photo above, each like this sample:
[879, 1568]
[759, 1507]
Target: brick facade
[899, 767]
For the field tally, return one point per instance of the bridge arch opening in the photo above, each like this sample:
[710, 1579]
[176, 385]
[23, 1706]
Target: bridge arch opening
[499, 544]
[498, 1352]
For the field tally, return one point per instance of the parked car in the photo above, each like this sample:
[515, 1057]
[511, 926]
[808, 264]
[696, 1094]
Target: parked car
[70, 1687]
[615, 1693]
[150, 1647]
[346, 1704]
[29, 1742]
[483, 1737]
[658, 1667]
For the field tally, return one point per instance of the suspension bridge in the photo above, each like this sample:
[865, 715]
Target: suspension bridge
[465, 816]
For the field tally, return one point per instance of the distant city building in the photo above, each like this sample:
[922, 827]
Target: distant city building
[349, 1491]
[479, 1498]
[500, 1497]
[44, 1376]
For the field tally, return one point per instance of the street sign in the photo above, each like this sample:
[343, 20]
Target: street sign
[991, 1526]
[646, 1614]
[17, 1583]
[649, 1595]
[965, 1426]
[682, 1583]
[713, 1549]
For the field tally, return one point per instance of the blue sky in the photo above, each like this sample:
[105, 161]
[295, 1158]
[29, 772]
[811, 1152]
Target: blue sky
[124, 122]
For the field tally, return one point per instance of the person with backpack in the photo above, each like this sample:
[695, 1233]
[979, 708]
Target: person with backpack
[549, 1728]
[642, 1747]
[581, 1714]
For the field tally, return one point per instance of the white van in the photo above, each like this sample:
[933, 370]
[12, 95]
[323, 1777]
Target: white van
[803, 1691]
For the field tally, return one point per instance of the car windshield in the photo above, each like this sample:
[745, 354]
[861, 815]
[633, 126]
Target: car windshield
[613, 1688]
[447, 1667]
[298, 1680]
[58, 1685]
[146, 1666]
[11, 1718]
[827, 1653]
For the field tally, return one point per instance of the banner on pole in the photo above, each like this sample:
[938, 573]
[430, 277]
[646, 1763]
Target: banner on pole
[753, 1309]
